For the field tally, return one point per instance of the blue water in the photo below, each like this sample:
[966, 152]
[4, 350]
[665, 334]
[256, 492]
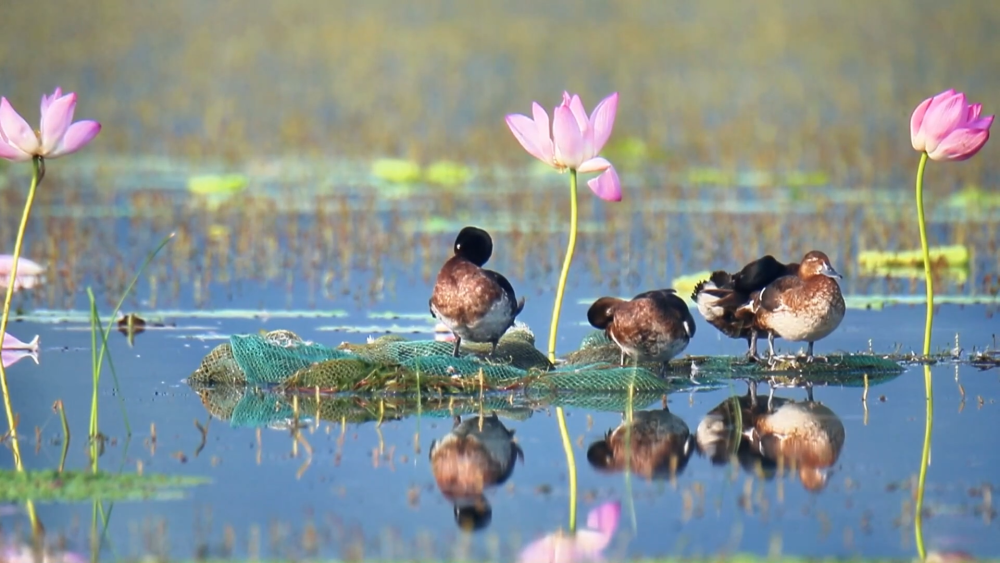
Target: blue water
[376, 488]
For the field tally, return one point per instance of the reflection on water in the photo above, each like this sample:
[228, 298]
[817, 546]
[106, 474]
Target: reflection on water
[803, 436]
[479, 453]
[656, 445]
[768, 436]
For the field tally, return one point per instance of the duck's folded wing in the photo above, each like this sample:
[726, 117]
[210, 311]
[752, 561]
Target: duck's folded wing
[772, 297]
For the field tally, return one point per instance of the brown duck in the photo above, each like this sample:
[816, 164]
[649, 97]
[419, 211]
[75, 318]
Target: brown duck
[802, 308]
[658, 440]
[654, 326]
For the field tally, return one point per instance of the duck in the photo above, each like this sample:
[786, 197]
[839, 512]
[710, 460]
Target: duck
[656, 443]
[722, 294]
[805, 307]
[804, 435]
[474, 303]
[725, 429]
[478, 453]
[654, 326]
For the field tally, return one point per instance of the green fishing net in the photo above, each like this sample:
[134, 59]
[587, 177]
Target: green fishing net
[396, 365]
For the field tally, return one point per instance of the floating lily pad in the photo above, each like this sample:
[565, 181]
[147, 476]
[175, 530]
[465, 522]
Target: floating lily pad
[447, 173]
[959, 275]
[684, 285]
[799, 179]
[211, 184]
[954, 255]
[710, 176]
[974, 196]
[627, 151]
[396, 170]
[75, 486]
[882, 301]
[82, 316]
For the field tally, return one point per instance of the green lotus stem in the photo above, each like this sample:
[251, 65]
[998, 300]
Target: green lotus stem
[571, 465]
[554, 328]
[925, 458]
[38, 172]
[629, 417]
[929, 282]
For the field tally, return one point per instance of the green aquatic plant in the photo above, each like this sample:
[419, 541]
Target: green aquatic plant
[97, 355]
[944, 128]
[925, 461]
[57, 136]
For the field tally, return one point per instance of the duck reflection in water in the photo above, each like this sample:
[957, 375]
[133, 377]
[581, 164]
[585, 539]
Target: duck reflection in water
[771, 433]
[657, 445]
[478, 453]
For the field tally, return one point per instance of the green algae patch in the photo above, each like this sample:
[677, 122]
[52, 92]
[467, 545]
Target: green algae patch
[956, 255]
[75, 486]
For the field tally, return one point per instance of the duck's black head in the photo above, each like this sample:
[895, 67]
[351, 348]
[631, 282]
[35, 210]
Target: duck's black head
[473, 516]
[474, 244]
[600, 456]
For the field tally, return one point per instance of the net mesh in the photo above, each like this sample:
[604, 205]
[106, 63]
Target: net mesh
[395, 365]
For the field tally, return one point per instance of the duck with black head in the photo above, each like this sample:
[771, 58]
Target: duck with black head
[805, 307]
[654, 326]
[478, 454]
[722, 294]
[476, 304]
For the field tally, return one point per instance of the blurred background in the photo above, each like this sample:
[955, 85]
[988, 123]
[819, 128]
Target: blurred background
[793, 113]
[257, 131]
[786, 83]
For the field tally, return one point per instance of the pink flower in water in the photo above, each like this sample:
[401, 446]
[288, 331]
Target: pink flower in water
[574, 141]
[11, 342]
[29, 273]
[585, 545]
[13, 350]
[56, 136]
[946, 127]
[22, 552]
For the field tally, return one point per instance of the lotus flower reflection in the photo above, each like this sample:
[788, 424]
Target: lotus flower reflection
[29, 273]
[575, 139]
[13, 350]
[946, 127]
[585, 545]
[57, 134]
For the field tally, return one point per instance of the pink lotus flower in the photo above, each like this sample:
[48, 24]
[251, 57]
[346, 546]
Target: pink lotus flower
[57, 135]
[29, 273]
[14, 350]
[947, 128]
[585, 545]
[575, 140]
